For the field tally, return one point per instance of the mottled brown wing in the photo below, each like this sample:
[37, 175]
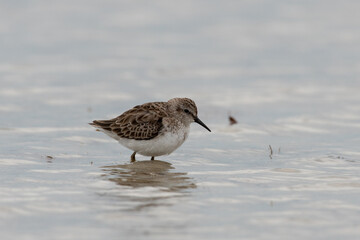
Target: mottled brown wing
[142, 122]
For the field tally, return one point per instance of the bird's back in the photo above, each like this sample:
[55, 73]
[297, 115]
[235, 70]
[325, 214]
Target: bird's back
[142, 122]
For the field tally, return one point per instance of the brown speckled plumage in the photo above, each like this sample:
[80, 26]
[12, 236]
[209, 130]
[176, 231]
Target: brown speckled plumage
[158, 128]
[143, 122]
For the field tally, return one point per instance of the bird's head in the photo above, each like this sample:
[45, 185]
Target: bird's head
[185, 109]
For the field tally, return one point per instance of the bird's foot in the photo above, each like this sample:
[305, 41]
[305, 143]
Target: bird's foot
[152, 158]
[133, 157]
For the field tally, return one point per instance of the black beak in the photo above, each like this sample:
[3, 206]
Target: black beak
[197, 120]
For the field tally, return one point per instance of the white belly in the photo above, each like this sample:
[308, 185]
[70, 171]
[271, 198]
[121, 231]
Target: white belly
[163, 144]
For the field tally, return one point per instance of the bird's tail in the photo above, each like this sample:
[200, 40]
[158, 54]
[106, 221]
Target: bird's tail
[102, 124]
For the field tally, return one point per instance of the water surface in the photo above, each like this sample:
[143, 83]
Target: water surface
[287, 71]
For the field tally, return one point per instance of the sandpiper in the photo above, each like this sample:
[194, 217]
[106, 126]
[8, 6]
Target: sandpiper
[153, 129]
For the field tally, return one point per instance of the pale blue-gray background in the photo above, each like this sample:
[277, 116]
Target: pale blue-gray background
[288, 71]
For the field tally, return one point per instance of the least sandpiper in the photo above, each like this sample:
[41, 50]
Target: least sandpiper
[153, 129]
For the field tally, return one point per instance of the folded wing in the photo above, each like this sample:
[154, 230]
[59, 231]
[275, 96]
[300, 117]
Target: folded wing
[142, 122]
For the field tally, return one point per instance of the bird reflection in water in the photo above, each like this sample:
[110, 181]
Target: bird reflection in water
[156, 175]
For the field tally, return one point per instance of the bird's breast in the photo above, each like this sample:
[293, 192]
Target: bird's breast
[165, 143]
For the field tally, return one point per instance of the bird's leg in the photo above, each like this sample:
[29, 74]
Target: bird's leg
[133, 157]
[152, 158]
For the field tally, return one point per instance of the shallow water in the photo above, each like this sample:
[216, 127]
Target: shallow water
[288, 72]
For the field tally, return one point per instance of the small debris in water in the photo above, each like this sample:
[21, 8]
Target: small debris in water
[271, 151]
[49, 159]
[97, 130]
[232, 120]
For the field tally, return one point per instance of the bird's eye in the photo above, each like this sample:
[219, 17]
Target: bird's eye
[186, 111]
